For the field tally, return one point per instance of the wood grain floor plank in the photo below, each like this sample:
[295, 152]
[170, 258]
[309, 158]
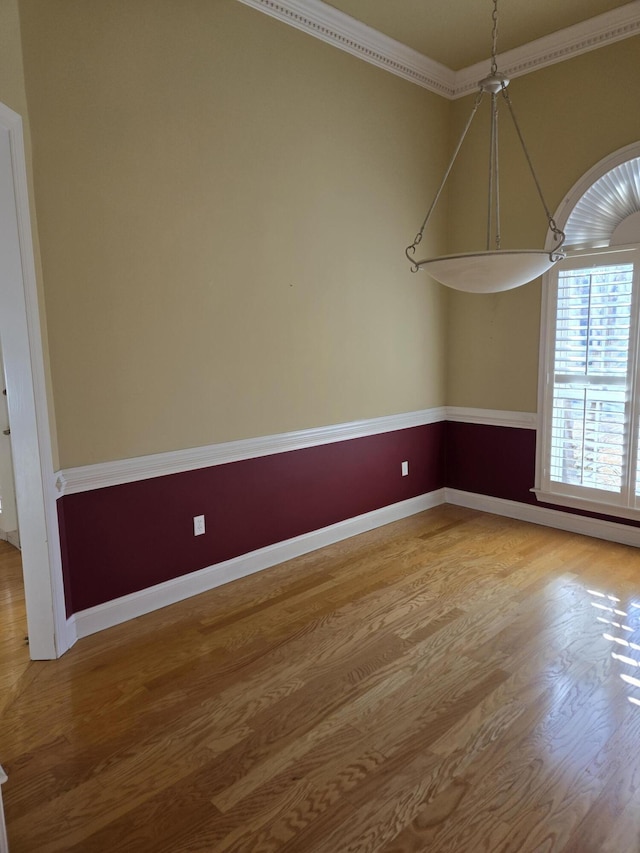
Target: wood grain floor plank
[372, 822]
[297, 796]
[452, 682]
[540, 782]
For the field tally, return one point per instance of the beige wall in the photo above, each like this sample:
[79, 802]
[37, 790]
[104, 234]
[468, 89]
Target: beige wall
[223, 205]
[13, 95]
[572, 115]
[12, 91]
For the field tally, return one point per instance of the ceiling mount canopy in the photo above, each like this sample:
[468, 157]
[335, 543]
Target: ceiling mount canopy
[495, 269]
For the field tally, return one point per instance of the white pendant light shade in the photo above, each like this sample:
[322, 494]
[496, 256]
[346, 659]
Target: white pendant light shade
[495, 269]
[488, 272]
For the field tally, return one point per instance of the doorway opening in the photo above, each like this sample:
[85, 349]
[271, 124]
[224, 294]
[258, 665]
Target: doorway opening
[14, 647]
[8, 510]
[20, 336]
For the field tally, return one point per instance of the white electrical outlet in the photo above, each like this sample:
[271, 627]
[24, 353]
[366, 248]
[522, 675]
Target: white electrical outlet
[405, 469]
[198, 525]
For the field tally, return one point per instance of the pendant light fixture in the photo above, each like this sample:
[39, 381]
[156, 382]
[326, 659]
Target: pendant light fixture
[495, 269]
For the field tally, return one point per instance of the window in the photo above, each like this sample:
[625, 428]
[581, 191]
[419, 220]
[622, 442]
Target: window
[588, 449]
[591, 414]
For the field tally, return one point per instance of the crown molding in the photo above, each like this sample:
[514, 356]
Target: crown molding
[346, 33]
[342, 31]
[596, 32]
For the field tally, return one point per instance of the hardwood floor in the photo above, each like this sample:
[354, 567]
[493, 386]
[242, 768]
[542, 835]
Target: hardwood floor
[14, 650]
[452, 682]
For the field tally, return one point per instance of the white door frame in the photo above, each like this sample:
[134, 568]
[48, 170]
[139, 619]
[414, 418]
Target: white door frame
[50, 634]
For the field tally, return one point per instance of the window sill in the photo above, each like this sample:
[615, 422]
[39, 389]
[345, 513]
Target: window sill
[573, 502]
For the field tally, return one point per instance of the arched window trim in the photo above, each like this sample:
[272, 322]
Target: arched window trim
[587, 499]
[584, 184]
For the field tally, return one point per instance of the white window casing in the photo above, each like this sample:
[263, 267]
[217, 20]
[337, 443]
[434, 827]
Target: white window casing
[587, 452]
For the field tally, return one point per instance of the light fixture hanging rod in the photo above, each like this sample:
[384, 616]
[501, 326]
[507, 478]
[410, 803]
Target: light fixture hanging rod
[494, 83]
[410, 250]
[558, 234]
[493, 166]
[497, 185]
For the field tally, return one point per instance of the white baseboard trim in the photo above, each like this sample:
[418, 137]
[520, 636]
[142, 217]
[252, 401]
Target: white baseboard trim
[127, 607]
[112, 613]
[612, 531]
[11, 536]
[4, 844]
[68, 633]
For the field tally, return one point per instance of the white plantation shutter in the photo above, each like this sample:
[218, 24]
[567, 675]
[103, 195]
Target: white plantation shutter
[590, 394]
[591, 407]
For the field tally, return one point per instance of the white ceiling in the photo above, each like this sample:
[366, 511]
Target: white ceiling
[457, 33]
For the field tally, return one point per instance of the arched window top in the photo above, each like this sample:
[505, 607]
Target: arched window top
[603, 208]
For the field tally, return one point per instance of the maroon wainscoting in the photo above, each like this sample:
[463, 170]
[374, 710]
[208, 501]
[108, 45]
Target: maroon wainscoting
[122, 539]
[500, 462]
[491, 460]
